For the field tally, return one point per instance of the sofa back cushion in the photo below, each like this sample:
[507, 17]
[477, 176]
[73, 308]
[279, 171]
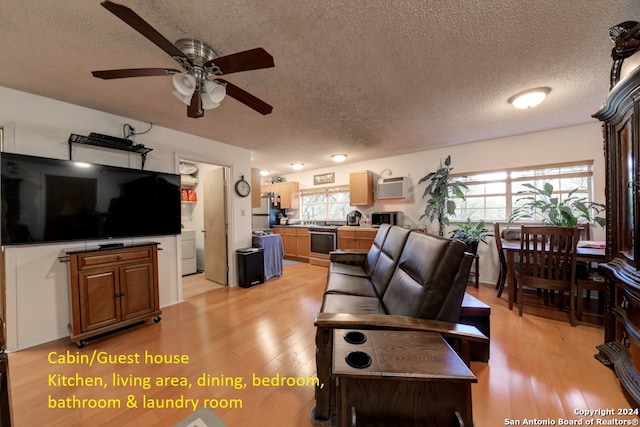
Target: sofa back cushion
[374, 251]
[452, 306]
[388, 258]
[427, 279]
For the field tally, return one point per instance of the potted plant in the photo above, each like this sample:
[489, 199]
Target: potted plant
[442, 187]
[471, 234]
[544, 207]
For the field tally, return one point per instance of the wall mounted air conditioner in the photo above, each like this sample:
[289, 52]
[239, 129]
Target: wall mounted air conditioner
[392, 188]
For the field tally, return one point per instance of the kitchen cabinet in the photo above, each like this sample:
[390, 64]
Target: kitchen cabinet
[289, 193]
[361, 188]
[111, 288]
[356, 238]
[295, 241]
[302, 244]
[255, 188]
[620, 115]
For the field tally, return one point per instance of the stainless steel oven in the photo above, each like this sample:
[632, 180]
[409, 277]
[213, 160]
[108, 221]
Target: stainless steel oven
[323, 241]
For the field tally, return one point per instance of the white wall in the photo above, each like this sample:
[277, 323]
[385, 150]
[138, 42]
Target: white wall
[37, 296]
[559, 145]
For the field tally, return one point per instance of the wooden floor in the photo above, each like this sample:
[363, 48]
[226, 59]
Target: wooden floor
[539, 368]
[197, 284]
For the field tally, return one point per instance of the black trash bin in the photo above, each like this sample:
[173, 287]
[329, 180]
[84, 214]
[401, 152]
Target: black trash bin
[250, 266]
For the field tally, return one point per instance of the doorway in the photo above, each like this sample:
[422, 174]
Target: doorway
[204, 217]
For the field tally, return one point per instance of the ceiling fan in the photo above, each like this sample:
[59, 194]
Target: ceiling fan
[199, 85]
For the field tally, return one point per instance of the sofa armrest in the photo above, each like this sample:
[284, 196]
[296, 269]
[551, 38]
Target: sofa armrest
[385, 321]
[350, 256]
[459, 337]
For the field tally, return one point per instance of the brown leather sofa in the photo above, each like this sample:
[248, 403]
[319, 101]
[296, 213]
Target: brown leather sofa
[407, 281]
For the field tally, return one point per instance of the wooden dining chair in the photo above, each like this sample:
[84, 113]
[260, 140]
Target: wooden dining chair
[547, 262]
[502, 274]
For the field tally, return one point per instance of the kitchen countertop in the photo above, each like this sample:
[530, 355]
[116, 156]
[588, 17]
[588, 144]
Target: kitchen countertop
[346, 227]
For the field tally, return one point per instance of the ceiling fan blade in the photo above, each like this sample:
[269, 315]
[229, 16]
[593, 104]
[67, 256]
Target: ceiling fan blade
[253, 59]
[195, 108]
[141, 26]
[133, 72]
[247, 99]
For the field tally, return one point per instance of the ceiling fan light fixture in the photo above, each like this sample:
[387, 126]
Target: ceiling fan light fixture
[186, 99]
[529, 98]
[214, 91]
[208, 104]
[339, 158]
[184, 83]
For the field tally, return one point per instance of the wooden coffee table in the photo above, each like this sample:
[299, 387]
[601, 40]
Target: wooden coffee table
[413, 379]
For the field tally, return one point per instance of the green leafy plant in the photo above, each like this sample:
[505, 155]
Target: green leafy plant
[471, 233]
[439, 193]
[545, 207]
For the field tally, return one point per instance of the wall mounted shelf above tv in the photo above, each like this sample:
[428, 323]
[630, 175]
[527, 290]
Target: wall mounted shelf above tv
[106, 141]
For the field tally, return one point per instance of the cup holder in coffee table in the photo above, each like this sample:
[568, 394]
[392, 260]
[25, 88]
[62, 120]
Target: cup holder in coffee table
[358, 359]
[355, 337]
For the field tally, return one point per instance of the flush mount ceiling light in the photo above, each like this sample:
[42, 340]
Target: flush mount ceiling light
[339, 157]
[297, 166]
[265, 173]
[529, 98]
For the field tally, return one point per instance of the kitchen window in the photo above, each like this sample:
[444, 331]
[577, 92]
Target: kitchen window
[493, 194]
[325, 204]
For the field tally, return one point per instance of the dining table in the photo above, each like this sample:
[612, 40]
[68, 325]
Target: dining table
[591, 251]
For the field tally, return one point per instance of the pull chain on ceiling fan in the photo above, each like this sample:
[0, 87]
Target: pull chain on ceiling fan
[199, 85]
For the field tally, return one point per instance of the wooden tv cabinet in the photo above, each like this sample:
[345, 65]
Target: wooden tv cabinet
[110, 288]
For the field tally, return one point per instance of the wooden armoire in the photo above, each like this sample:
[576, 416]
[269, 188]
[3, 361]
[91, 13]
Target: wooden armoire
[620, 115]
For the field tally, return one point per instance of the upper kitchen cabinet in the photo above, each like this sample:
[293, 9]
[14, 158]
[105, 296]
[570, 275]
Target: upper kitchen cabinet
[289, 193]
[255, 188]
[361, 188]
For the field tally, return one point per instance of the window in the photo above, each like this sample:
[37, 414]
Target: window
[325, 204]
[492, 194]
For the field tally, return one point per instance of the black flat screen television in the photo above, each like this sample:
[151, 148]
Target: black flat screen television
[50, 200]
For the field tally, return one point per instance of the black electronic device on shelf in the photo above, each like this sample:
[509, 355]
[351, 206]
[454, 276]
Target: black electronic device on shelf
[112, 142]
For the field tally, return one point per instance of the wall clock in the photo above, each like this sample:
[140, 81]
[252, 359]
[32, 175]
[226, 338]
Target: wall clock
[242, 187]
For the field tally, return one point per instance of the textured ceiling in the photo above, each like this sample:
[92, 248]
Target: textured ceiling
[369, 78]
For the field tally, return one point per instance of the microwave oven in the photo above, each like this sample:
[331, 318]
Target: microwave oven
[393, 218]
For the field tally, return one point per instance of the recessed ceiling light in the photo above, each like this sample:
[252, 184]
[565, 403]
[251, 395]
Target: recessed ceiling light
[297, 166]
[339, 157]
[529, 98]
[265, 173]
